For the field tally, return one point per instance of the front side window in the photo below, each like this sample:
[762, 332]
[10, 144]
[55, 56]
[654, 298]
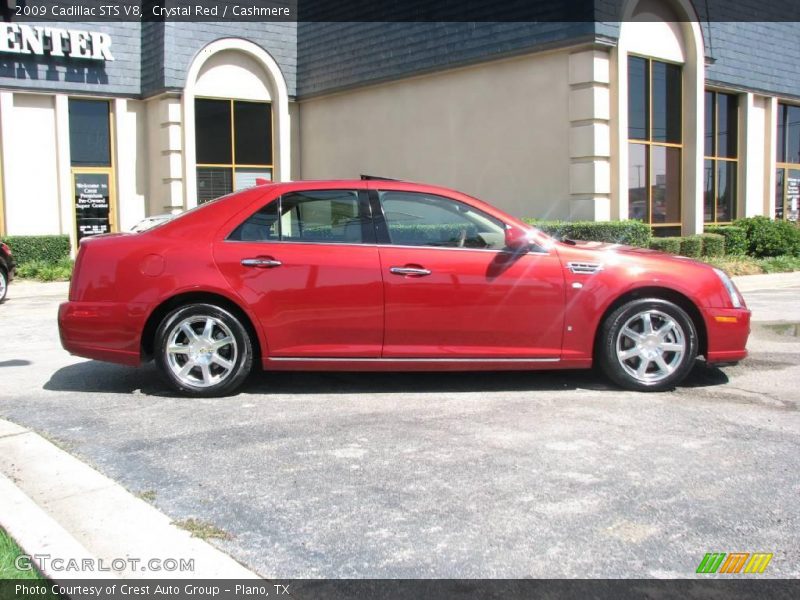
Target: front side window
[328, 216]
[415, 219]
[654, 141]
[233, 145]
[787, 191]
[721, 157]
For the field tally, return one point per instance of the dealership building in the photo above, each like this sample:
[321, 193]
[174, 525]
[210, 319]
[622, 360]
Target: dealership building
[661, 113]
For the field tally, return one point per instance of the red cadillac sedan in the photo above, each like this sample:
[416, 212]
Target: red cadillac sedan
[394, 276]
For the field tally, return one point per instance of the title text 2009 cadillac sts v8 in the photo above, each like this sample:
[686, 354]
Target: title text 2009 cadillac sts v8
[394, 276]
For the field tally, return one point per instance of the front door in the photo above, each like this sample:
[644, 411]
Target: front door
[307, 265]
[452, 290]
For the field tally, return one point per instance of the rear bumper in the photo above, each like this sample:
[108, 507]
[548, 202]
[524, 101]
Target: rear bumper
[728, 330]
[106, 331]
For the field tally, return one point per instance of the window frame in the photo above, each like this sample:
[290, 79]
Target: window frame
[649, 142]
[233, 165]
[715, 157]
[782, 137]
[368, 235]
[109, 170]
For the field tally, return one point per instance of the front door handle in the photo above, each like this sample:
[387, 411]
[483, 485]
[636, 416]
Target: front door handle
[414, 271]
[261, 262]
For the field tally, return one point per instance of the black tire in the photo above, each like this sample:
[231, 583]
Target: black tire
[207, 376]
[621, 358]
[3, 284]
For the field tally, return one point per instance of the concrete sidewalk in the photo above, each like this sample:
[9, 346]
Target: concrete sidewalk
[55, 505]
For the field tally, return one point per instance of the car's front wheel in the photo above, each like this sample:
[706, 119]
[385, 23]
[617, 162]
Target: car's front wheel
[203, 350]
[648, 345]
[3, 285]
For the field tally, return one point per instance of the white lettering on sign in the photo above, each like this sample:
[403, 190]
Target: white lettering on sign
[24, 39]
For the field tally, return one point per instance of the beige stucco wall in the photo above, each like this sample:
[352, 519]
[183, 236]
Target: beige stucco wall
[30, 169]
[499, 131]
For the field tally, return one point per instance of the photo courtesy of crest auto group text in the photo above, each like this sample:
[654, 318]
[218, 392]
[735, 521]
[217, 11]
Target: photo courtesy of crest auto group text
[366, 299]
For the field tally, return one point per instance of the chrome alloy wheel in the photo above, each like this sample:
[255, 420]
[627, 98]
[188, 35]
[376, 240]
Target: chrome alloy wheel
[201, 351]
[3, 284]
[650, 346]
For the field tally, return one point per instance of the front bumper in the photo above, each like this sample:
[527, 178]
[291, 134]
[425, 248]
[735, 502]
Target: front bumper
[728, 330]
[106, 331]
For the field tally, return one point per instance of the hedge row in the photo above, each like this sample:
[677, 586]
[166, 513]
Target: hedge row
[38, 248]
[735, 238]
[693, 246]
[630, 233]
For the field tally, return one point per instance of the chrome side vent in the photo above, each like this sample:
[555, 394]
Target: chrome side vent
[584, 268]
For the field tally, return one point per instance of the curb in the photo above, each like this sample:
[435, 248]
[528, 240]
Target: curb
[53, 504]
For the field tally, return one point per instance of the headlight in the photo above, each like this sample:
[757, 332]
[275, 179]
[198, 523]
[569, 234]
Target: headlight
[736, 299]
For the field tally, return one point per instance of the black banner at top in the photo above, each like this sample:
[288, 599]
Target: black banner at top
[390, 10]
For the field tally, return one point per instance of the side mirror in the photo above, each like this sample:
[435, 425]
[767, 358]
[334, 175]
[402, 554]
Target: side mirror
[517, 239]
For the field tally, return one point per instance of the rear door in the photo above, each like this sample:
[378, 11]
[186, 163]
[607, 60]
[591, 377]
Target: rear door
[307, 265]
[453, 290]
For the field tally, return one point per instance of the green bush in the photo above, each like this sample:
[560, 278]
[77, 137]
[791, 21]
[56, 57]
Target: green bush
[692, 246]
[44, 270]
[735, 238]
[44, 248]
[713, 244]
[766, 237]
[780, 264]
[630, 233]
[666, 244]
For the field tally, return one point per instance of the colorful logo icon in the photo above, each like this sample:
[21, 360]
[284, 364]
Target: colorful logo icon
[735, 562]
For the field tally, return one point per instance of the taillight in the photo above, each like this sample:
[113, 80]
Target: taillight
[5, 248]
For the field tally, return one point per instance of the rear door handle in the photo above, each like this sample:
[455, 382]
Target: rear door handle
[261, 263]
[417, 271]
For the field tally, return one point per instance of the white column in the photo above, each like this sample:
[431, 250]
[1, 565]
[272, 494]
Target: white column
[6, 100]
[590, 142]
[64, 162]
[693, 143]
[771, 156]
[753, 163]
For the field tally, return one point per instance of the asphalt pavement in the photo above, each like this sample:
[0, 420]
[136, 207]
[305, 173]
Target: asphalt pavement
[442, 475]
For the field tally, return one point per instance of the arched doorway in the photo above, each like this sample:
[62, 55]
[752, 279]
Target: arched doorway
[236, 112]
[659, 112]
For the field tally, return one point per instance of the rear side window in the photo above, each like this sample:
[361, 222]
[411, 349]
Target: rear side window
[327, 216]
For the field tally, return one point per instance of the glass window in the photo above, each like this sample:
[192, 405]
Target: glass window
[710, 118]
[638, 93]
[261, 227]
[415, 219]
[638, 175]
[792, 125]
[666, 103]
[666, 184]
[721, 153]
[331, 216]
[213, 182]
[253, 133]
[233, 142]
[787, 192]
[212, 131]
[654, 131]
[89, 133]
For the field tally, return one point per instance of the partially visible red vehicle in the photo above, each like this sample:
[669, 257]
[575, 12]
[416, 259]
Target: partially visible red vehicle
[7, 269]
[386, 275]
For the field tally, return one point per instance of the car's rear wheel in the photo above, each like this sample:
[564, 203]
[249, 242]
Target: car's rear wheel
[203, 350]
[648, 345]
[3, 285]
